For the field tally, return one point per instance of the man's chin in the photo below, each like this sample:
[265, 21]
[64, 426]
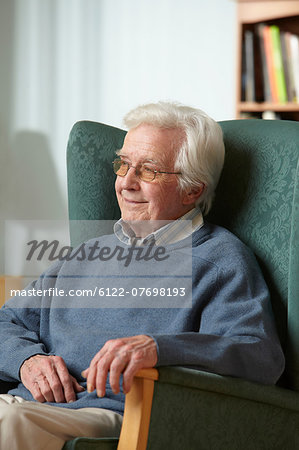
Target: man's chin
[143, 225]
[131, 217]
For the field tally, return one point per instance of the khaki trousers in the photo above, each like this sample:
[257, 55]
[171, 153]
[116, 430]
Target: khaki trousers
[28, 425]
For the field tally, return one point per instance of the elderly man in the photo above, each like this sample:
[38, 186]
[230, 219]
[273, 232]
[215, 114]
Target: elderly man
[61, 355]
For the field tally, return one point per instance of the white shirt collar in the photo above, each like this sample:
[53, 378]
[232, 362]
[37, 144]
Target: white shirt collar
[170, 233]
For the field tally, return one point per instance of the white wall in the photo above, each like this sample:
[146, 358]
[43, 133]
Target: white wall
[168, 49]
[67, 60]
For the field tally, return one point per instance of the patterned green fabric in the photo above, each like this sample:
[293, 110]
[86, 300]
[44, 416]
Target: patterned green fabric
[255, 199]
[293, 300]
[91, 150]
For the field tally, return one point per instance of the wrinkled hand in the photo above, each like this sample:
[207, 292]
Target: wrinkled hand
[48, 379]
[120, 356]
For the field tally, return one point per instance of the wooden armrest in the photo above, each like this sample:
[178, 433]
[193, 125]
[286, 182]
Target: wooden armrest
[7, 283]
[138, 405]
[149, 374]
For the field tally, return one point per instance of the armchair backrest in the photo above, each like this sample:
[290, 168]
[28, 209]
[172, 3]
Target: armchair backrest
[257, 199]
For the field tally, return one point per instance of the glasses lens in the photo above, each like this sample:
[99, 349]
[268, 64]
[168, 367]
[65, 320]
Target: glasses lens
[120, 167]
[146, 174]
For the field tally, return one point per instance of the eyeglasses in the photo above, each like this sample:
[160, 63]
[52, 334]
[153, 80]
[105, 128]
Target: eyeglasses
[142, 171]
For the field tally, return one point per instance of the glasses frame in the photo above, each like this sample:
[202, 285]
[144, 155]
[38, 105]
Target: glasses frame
[137, 170]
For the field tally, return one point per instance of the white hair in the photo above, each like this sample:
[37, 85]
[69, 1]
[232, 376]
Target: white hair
[200, 159]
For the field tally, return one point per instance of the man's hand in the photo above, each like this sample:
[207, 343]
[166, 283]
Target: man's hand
[124, 355]
[48, 379]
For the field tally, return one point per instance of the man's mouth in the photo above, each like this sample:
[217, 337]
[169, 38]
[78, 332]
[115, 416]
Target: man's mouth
[133, 201]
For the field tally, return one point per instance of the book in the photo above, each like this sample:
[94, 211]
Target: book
[294, 50]
[265, 73]
[287, 39]
[243, 73]
[249, 67]
[279, 75]
[270, 63]
[286, 59]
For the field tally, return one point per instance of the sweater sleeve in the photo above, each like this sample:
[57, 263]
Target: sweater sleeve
[237, 334]
[19, 331]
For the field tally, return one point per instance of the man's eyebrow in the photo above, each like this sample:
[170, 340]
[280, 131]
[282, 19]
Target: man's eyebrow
[146, 160]
[121, 155]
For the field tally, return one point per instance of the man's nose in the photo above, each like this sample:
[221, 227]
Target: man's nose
[131, 180]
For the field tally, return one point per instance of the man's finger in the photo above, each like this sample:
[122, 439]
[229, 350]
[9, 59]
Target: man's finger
[117, 366]
[45, 389]
[100, 374]
[129, 373]
[77, 387]
[57, 387]
[36, 393]
[65, 380]
[85, 372]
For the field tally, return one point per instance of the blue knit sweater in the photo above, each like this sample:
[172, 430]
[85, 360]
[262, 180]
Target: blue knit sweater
[225, 327]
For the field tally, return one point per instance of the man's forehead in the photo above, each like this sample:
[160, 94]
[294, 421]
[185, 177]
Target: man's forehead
[152, 142]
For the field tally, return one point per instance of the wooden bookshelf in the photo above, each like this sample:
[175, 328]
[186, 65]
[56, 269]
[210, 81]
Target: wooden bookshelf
[251, 13]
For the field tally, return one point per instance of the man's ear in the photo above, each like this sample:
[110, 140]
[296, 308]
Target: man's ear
[193, 194]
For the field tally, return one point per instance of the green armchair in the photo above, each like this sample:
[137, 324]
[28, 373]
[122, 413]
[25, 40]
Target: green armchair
[258, 200]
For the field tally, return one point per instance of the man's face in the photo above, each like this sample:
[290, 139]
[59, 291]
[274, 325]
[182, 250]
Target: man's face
[159, 199]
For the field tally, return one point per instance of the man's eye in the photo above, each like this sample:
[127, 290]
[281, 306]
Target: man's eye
[148, 169]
